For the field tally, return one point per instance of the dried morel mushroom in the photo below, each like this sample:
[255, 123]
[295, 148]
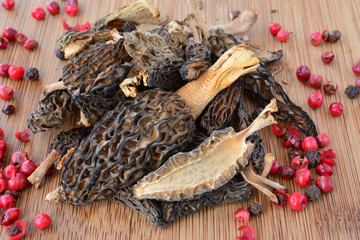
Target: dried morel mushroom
[136, 137]
[171, 40]
[73, 42]
[53, 110]
[63, 142]
[262, 87]
[198, 60]
[211, 165]
[220, 110]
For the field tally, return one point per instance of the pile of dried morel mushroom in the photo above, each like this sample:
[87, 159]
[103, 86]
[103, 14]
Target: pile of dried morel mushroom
[165, 130]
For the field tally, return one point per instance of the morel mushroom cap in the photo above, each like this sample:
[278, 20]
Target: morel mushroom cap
[53, 110]
[211, 165]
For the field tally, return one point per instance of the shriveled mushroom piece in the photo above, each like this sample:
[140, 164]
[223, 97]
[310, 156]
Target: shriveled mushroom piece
[73, 42]
[137, 136]
[211, 165]
[138, 12]
[54, 109]
[262, 87]
[57, 149]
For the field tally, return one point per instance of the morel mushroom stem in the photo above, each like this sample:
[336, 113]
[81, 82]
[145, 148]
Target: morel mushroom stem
[268, 161]
[37, 176]
[54, 196]
[227, 69]
[84, 120]
[53, 87]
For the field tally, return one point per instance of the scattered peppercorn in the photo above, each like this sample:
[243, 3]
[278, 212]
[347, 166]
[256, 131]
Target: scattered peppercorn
[316, 99]
[324, 183]
[294, 152]
[9, 33]
[42, 221]
[324, 169]
[6, 93]
[30, 44]
[278, 131]
[8, 4]
[315, 38]
[336, 109]
[2, 135]
[356, 68]
[328, 156]
[53, 7]
[309, 143]
[352, 91]
[10, 171]
[292, 138]
[256, 208]
[303, 73]
[3, 185]
[323, 140]
[356, 84]
[315, 81]
[32, 74]
[78, 27]
[298, 162]
[22, 136]
[327, 57]
[330, 88]
[274, 28]
[4, 70]
[282, 197]
[314, 157]
[18, 182]
[8, 109]
[247, 233]
[302, 177]
[283, 35]
[3, 43]
[332, 36]
[17, 231]
[3, 146]
[274, 167]
[297, 201]
[71, 7]
[313, 193]
[20, 38]
[7, 201]
[16, 72]
[60, 54]
[242, 214]
[38, 13]
[10, 216]
[286, 172]
[28, 167]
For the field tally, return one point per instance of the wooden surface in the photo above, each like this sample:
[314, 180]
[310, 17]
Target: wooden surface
[335, 216]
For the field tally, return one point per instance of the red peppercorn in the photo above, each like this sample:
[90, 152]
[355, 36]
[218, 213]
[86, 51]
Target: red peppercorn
[7, 201]
[4, 70]
[356, 68]
[38, 13]
[1, 175]
[277, 130]
[28, 167]
[15, 72]
[303, 73]
[42, 221]
[292, 138]
[274, 28]
[315, 38]
[356, 84]
[309, 143]
[10, 171]
[18, 182]
[22, 136]
[30, 44]
[282, 197]
[324, 183]
[53, 7]
[327, 57]
[10, 216]
[247, 233]
[6, 93]
[50, 170]
[298, 162]
[297, 201]
[302, 177]
[283, 35]
[336, 109]
[315, 81]
[3, 43]
[328, 156]
[71, 7]
[9, 33]
[17, 231]
[286, 172]
[329, 88]
[324, 169]
[274, 167]
[2, 157]
[20, 38]
[3, 146]
[3, 185]
[2, 135]
[242, 214]
[8, 4]
[17, 158]
[323, 140]
[316, 99]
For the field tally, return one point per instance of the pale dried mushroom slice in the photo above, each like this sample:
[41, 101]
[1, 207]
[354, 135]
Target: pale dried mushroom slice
[208, 167]
[138, 12]
[73, 42]
[171, 40]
